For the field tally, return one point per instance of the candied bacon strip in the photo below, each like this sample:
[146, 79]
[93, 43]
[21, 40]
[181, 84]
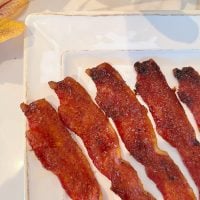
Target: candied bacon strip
[81, 115]
[171, 121]
[58, 152]
[189, 90]
[119, 102]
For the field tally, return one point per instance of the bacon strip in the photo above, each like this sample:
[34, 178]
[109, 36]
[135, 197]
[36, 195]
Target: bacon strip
[189, 89]
[170, 118]
[130, 117]
[58, 152]
[81, 115]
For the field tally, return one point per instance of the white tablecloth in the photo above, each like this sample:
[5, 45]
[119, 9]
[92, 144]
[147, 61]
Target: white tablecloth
[11, 82]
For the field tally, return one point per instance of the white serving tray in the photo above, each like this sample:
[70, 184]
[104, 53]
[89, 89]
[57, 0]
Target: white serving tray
[60, 45]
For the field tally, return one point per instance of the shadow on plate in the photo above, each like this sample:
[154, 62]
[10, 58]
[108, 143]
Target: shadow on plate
[182, 28]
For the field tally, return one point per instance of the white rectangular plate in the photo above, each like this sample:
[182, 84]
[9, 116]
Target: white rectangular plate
[57, 46]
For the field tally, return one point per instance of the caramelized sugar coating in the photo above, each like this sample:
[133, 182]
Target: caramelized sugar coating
[171, 121]
[119, 102]
[81, 115]
[189, 90]
[58, 152]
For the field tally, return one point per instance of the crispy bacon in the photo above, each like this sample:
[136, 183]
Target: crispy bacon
[81, 115]
[58, 152]
[119, 102]
[171, 121]
[189, 90]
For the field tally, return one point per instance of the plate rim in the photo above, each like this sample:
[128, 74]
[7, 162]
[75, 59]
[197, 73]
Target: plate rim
[85, 14]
